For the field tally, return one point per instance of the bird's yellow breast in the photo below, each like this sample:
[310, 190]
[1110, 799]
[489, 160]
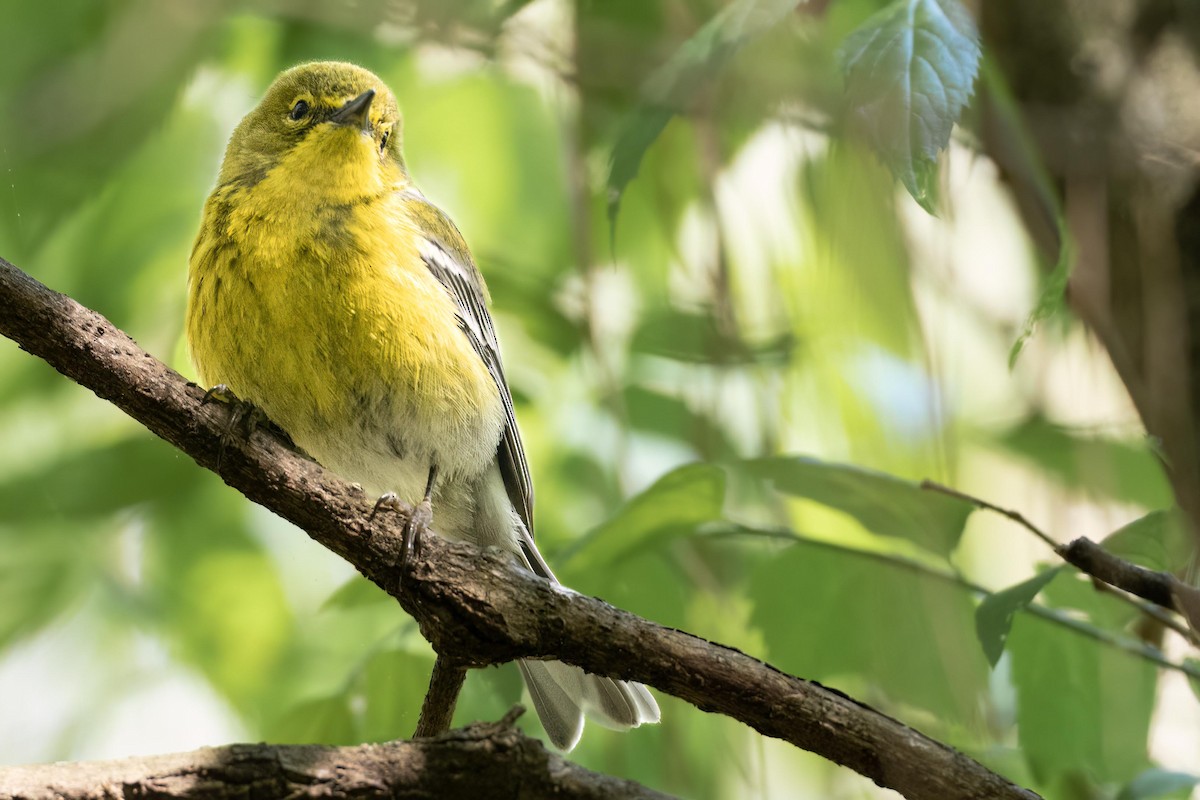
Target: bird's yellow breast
[320, 310]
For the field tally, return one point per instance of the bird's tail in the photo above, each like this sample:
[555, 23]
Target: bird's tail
[562, 694]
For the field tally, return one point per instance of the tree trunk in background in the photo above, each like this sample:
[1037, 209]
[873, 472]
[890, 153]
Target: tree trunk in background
[1109, 92]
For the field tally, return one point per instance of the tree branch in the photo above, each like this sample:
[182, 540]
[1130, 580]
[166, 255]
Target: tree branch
[474, 607]
[437, 711]
[480, 761]
[1161, 589]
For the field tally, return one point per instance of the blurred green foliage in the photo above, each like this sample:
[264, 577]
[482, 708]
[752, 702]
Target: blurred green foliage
[691, 384]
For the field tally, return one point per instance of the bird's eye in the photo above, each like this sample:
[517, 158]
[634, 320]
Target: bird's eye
[299, 110]
[384, 141]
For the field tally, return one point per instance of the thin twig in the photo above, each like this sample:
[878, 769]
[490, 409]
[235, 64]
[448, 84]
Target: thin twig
[1091, 558]
[1157, 588]
[1155, 612]
[1015, 516]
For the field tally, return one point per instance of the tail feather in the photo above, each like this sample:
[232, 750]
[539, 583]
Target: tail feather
[562, 693]
[647, 706]
[556, 705]
[612, 702]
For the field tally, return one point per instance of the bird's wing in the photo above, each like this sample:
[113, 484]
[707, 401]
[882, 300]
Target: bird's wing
[446, 255]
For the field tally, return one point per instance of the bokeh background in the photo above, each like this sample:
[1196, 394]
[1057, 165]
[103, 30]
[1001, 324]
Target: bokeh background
[693, 385]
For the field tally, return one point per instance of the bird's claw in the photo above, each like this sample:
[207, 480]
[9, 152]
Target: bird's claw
[419, 519]
[244, 417]
[220, 393]
[387, 501]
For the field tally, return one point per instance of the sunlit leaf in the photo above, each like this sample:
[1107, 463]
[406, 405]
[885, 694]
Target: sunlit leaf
[1154, 783]
[1074, 590]
[670, 89]
[852, 619]
[864, 281]
[665, 415]
[394, 683]
[1052, 299]
[58, 60]
[675, 505]
[883, 504]
[1081, 706]
[325, 720]
[994, 617]
[1193, 683]
[1125, 470]
[233, 620]
[909, 72]
[1159, 541]
[44, 571]
[1016, 152]
[356, 593]
[98, 481]
[647, 581]
[698, 338]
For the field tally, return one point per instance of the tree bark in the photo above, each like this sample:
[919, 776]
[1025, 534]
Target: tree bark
[437, 712]
[476, 763]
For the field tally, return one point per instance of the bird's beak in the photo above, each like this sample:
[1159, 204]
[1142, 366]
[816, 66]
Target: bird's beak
[357, 112]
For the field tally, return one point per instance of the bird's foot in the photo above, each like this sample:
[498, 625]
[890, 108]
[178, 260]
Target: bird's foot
[244, 417]
[417, 526]
[419, 519]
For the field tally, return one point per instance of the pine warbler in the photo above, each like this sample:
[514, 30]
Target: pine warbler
[326, 290]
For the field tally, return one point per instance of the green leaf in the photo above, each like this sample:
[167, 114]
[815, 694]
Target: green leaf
[1156, 782]
[1157, 541]
[1052, 300]
[46, 569]
[228, 599]
[852, 618]
[865, 277]
[1081, 706]
[994, 617]
[672, 417]
[675, 505]
[488, 693]
[696, 338]
[395, 682]
[325, 720]
[97, 482]
[909, 72]
[672, 86]
[1124, 470]
[883, 504]
[1034, 187]
[356, 593]
[1193, 683]
[530, 299]
[1077, 592]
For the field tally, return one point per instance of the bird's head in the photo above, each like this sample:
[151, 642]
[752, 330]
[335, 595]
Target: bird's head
[332, 126]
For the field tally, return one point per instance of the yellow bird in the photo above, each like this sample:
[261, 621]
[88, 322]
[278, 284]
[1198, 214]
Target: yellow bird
[326, 290]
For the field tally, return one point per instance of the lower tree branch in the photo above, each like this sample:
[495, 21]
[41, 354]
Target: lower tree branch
[477, 608]
[477, 762]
